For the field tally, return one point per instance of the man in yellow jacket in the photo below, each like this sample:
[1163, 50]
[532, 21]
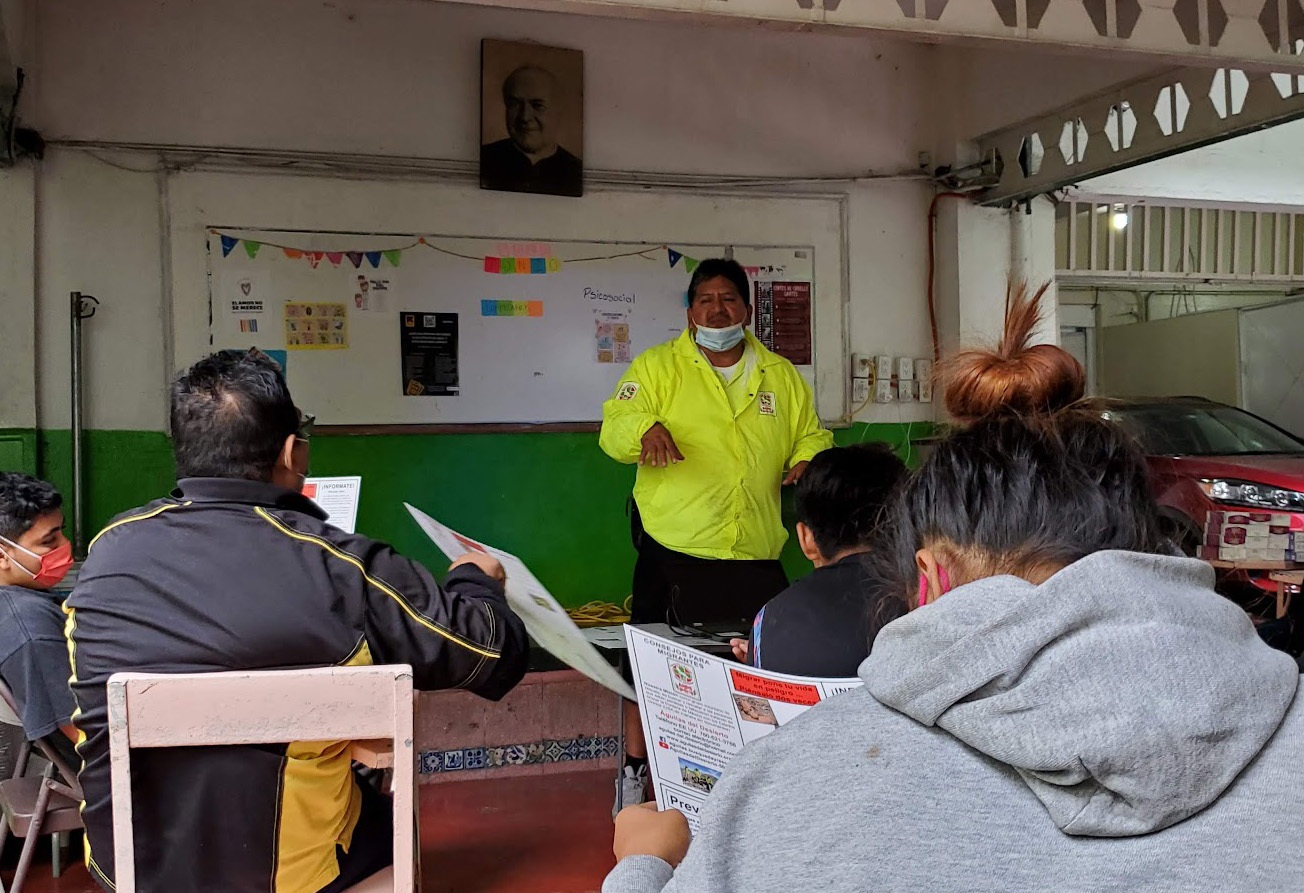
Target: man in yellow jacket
[717, 423]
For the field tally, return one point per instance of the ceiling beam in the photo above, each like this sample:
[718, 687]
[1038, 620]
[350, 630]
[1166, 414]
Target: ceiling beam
[1245, 33]
[1135, 122]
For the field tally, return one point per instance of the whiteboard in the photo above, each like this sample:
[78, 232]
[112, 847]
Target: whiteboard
[530, 346]
[1272, 364]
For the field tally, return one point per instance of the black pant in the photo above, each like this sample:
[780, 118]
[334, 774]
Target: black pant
[372, 847]
[671, 587]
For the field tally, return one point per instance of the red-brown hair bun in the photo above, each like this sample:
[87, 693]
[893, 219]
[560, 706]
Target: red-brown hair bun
[1015, 377]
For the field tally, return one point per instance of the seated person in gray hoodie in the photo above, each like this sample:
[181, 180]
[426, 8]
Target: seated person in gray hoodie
[1064, 708]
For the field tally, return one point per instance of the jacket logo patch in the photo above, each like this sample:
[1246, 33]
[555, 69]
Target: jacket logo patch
[765, 400]
[628, 391]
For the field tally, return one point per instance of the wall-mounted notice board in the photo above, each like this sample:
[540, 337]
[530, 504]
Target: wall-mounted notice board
[378, 330]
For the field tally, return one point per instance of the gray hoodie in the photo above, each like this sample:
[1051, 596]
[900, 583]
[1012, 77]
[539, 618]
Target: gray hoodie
[1118, 728]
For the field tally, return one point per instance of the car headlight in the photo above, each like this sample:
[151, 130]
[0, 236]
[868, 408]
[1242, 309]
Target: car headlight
[1261, 496]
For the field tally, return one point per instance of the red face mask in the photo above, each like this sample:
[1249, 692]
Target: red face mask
[54, 564]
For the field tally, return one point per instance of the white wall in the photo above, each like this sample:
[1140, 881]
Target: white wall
[401, 78]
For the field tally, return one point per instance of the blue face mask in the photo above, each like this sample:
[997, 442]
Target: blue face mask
[719, 340]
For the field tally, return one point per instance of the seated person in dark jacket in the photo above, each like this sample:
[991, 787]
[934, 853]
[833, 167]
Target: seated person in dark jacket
[237, 570]
[825, 623]
[34, 556]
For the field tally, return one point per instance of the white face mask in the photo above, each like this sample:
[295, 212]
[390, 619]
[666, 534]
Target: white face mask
[718, 340]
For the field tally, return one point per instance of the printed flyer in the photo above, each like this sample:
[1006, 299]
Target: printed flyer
[700, 710]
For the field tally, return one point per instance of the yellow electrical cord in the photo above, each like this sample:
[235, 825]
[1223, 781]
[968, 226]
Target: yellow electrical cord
[601, 613]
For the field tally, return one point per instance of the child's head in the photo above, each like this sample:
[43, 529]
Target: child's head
[840, 497]
[33, 550]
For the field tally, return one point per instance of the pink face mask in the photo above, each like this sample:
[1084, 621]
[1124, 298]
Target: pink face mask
[942, 579]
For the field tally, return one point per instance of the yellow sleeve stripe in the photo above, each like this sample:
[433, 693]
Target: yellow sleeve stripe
[379, 584]
[158, 511]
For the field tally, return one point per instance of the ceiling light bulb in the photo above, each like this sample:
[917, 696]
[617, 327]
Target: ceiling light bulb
[1119, 219]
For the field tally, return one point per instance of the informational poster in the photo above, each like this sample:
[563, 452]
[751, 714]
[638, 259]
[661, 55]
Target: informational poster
[338, 498]
[371, 292]
[545, 620]
[428, 342]
[699, 710]
[611, 336]
[316, 326]
[783, 319]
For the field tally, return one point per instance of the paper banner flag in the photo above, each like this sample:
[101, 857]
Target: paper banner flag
[538, 265]
[493, 264]
[335, 257]
[251, 248]
[228, 244]
[373, 258]
[507, 265]
[554, 265]
[314, 258]
[355, 258]
[690, 264]
[292, 253]
[522, 265]
[393, 255]
[675, 256]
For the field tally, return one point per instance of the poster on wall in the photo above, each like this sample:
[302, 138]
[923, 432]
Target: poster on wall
[316, 326]
[531, 118]
[783, 319]
[428, 342]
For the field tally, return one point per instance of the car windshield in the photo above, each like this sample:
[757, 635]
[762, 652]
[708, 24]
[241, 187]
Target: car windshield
[1191, 430]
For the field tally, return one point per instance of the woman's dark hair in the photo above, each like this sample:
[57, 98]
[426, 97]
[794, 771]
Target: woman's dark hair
[1015, 377]
[231, 414]
[23, 499]
[842, 494]
[719, 266]
[1011, 494]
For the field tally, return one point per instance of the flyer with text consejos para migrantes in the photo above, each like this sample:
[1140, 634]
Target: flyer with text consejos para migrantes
[699, 710]
[545, 620]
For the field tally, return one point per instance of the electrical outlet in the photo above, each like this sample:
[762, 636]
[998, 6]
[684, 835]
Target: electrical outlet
[925, 389]
[906, 392]
[924, 370]
[862, 365]
[859, 391]
[905, 369]
[883, 368]
[883, 391]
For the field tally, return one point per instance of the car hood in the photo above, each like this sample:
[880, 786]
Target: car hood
[1276, 470]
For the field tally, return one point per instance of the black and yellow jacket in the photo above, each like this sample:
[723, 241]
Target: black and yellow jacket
[241, 575]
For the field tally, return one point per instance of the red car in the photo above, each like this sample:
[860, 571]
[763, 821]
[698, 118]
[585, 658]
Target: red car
[1220, 473]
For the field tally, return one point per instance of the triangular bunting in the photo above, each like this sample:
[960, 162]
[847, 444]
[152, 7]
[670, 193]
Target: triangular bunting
[228, 244]
[690, 264]
[292, 253]
[314, 258]
[251, 248]
[355, 258]
[675, 256]
[393, 255]
[373, 258]
[335, 257]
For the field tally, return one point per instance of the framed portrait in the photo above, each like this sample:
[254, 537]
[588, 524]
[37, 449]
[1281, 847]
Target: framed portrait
[531, 118]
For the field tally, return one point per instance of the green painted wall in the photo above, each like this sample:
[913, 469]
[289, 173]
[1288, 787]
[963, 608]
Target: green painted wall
[553, 499]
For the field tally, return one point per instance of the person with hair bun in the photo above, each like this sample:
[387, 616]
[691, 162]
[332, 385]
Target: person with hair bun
[1063, 708]
[1015, 376]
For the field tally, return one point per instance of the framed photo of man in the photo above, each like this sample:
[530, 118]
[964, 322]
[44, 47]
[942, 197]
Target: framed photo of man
[531, 118]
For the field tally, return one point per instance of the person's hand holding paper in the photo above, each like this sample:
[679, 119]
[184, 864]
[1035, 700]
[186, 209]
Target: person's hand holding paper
[487, 563]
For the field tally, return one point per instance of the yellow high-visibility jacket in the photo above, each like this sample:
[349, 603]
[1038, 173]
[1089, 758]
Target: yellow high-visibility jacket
[722, 501]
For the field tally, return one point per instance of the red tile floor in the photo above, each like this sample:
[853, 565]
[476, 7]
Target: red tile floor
[533, 834]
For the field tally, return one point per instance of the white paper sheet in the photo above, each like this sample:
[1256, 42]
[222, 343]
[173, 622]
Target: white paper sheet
[546, 621]
[699, 710]
[338, 498]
